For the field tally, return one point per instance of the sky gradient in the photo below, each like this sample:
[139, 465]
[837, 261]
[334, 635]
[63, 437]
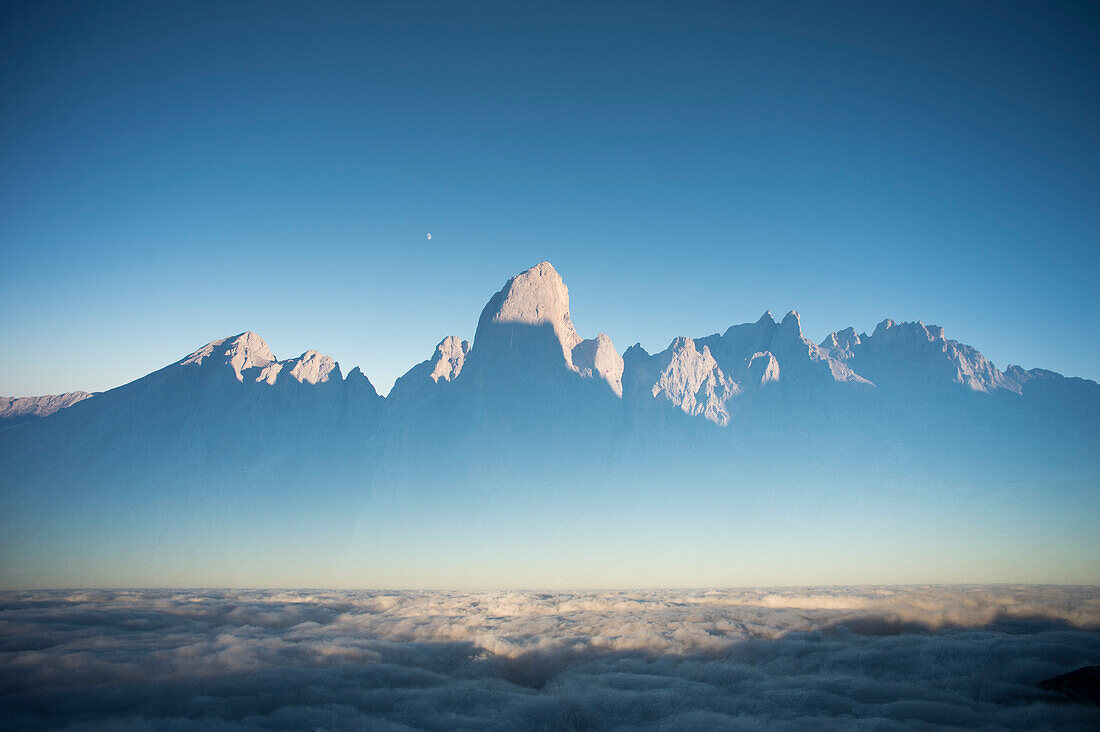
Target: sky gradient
[173, 173]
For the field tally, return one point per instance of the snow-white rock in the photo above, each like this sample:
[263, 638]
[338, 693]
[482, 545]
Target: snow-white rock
[313, 368]
[686, 376]
[448, 359]
[240, 352]
[596, 358]
[762, 369]
[250, 359]
[530, 306]
[525, 327]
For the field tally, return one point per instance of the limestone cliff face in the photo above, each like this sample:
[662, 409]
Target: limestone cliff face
[685, 376]
[596, 358]
[532, 306]
[527, 324]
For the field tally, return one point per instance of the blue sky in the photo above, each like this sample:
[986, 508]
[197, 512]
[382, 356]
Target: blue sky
[174, 173]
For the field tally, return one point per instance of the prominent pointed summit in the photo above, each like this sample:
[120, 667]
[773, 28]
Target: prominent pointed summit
[243, 351]
[791, 326]
[531, 307]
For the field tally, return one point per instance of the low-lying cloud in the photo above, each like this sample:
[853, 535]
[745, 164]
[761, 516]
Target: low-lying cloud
[875, 658]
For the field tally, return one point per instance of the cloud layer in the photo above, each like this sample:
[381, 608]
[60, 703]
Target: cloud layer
[876, 658]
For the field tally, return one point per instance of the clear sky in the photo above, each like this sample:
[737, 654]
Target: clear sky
[171, 173]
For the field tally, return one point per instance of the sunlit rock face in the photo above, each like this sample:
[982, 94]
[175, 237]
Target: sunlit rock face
[596, 358]
[687, 377]
[448, 358]
[528, 318]
[528, 362]
[19, 409]
[761, 370]
[249, 359]
[241, 353]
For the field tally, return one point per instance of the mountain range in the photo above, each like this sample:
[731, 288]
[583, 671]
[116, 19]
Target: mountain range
[230, 427]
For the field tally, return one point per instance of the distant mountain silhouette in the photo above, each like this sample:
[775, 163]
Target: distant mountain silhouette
[530, 403]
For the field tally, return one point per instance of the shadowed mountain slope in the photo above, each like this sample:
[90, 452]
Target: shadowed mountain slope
[229, 440]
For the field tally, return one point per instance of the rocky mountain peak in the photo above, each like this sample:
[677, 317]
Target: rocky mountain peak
[448, 359]
[534, 300]
[596, 358]
[243, 351]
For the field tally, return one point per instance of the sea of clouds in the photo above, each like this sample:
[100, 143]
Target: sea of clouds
[833, 658]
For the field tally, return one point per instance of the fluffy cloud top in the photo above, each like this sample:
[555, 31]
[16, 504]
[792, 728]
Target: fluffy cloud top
[877, 658]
